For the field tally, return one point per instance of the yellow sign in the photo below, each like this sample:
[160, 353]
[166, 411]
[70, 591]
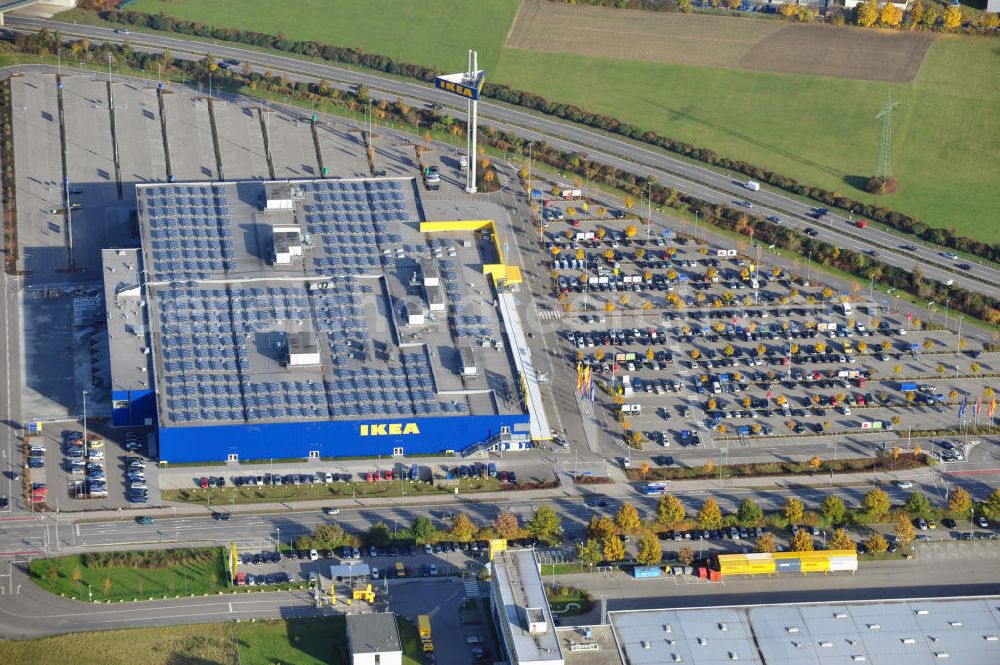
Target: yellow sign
[389, 429]
[497, 545]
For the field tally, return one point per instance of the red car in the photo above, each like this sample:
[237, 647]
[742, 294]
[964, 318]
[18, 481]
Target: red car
[203, 482]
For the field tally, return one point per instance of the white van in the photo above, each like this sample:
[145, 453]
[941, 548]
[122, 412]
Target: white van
[752, 186]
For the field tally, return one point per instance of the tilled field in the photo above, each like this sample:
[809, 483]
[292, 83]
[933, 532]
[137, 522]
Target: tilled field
[824, 50]
[636, 35]
[718, 41]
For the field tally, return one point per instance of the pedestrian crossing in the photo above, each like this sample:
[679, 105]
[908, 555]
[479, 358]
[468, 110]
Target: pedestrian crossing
[549, 315]
[471, 589]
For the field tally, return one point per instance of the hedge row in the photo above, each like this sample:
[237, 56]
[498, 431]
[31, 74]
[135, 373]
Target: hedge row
[353, 56]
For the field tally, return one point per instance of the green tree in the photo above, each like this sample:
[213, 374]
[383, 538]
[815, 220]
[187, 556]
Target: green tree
[508, 525]
[766, 543]
[710, 515]
[749, 513]
[600, 528]
[76, 576]
[52, 573]
[423, 529]
[959, 502]
[834, 509]
[904, 529]
[614, 548]
[918, 505]
[794, 510]
[802, 541]
[876, 544]
[627, 518]
[669, 510]
[841, 541]
[876, 502]
[379, 534]
[462, 528]
[991, 507]
[545, 524]
[650, 551]
[590, 552]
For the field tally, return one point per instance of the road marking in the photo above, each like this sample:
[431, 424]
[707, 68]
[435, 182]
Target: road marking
[471, 589]
[230, 608]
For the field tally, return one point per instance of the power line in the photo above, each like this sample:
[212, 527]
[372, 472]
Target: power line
[884, 170]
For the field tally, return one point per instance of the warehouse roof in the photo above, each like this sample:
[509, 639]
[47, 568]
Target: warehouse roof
[220, 311]
[875, 633]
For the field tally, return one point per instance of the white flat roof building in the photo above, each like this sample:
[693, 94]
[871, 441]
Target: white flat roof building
[373, 639]
[521, 610]
[906, 632]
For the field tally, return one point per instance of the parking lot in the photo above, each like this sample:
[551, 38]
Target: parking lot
[94, 475]
[687, 344]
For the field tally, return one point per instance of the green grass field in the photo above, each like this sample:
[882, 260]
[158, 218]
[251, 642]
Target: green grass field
[128, 583]
[302, 642]
[435, 33]
[821, 131]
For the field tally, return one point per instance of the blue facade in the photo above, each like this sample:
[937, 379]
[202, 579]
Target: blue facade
[131, 408]
[338, 438]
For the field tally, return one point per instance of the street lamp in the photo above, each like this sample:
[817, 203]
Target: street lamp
[277, 545]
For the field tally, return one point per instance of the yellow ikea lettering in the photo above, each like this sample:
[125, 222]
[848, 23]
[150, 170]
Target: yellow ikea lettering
[389, 429]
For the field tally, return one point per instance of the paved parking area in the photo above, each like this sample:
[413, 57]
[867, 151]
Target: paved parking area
[189, 133]
[140, 137]
[697, 340]
[241, 143]
[68, 488]
[343, 149]
[291, 142]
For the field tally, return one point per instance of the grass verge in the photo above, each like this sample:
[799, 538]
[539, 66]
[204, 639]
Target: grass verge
[70, 576]
[317, 492]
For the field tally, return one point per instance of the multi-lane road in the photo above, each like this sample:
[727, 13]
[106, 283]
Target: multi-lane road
[688, 177]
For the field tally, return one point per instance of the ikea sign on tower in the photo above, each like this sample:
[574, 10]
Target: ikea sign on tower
[461, 84]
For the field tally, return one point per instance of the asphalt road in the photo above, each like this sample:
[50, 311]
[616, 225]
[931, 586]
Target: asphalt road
[687, 177]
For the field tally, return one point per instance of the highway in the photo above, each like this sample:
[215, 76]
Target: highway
[690, 178]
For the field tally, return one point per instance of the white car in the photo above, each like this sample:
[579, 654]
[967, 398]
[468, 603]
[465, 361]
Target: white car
[313, 555]
[374, 573]
[983, 522]
[331, 511]
[903, 484]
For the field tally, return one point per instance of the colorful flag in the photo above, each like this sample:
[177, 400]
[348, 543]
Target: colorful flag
[593, 390]
[993, 407]
[579, 376]
[962, 409]
[979, 406]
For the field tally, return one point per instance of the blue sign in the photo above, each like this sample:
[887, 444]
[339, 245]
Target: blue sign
[461, 89]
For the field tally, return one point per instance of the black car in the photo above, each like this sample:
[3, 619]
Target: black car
[220, 517]
[618, 214]
[948, 523]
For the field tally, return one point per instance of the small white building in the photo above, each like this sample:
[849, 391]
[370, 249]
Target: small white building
[303, 349]
[278, 196]
[373, 639]
[287, 242]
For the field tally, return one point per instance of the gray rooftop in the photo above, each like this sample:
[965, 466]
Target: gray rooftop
[517, 578]
[876, 633]
[219, 310]
[373, 633]
[126, 319]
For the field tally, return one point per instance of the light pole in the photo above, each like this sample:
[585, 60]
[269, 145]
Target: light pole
[90, 593]
[959, 340]
[946, 301]
[277, 542]
[84, 417]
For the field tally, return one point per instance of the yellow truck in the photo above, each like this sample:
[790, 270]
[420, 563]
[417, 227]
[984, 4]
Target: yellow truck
[424, 628]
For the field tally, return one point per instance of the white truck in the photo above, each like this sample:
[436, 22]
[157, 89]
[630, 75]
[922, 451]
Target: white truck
[463, 161]
[752, 185]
